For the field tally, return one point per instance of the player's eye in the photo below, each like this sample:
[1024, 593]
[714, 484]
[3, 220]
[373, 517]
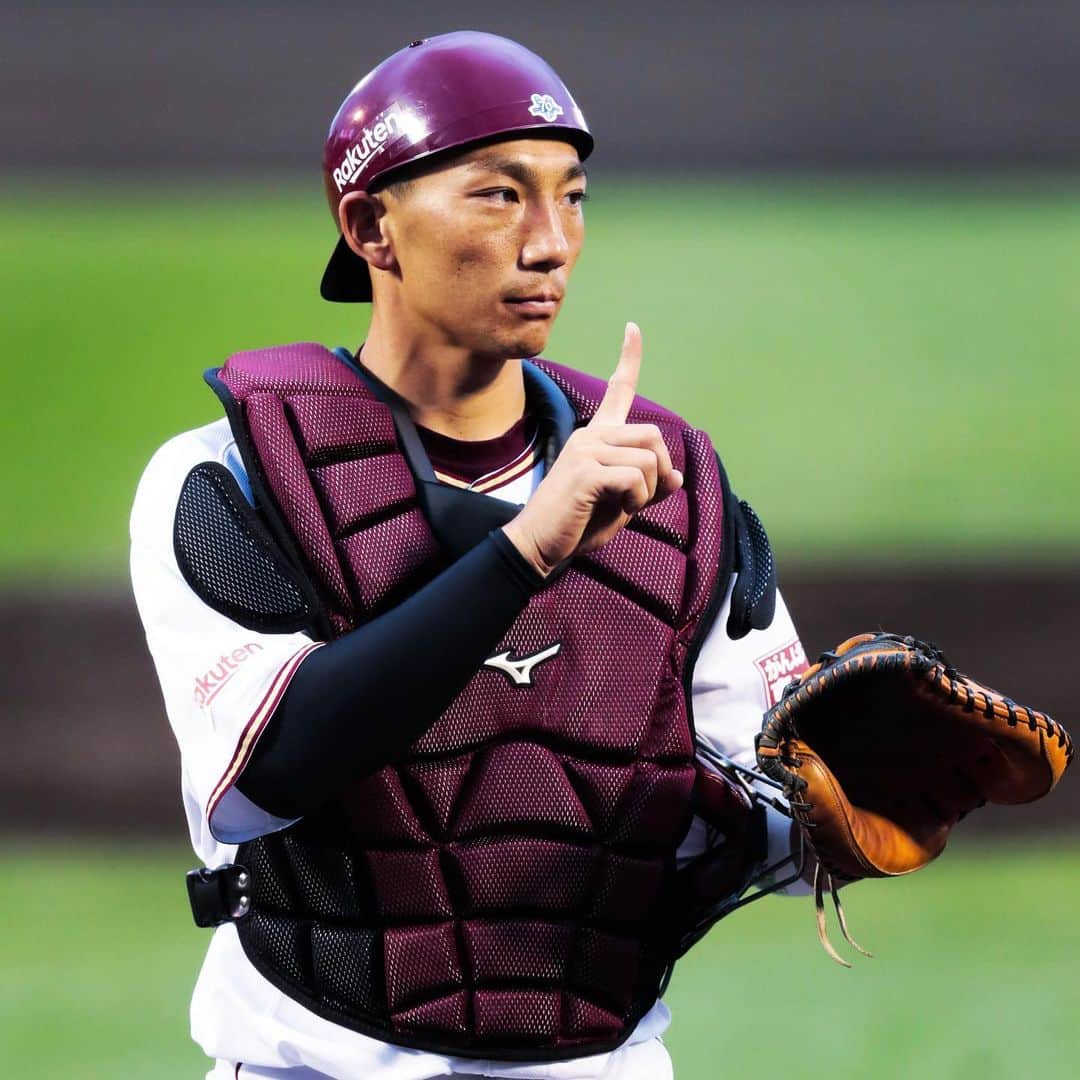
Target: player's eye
[577, 198]
[499, 195]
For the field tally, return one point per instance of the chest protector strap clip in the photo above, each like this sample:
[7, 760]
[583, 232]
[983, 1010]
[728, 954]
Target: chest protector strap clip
[219, 896]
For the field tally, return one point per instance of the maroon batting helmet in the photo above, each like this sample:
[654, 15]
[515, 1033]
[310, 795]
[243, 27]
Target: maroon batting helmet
[437, 94]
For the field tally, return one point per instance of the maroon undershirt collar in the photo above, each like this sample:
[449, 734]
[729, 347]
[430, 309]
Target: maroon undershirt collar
[469, 459]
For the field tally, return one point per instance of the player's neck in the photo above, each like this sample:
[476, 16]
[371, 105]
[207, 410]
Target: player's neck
[448, 389]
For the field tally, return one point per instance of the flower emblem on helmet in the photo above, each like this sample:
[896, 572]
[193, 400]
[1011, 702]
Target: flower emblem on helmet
[545, 106]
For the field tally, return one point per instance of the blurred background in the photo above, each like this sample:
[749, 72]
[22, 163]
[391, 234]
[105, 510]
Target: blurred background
[851, 235]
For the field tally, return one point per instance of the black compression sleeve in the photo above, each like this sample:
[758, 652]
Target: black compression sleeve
[355, 704]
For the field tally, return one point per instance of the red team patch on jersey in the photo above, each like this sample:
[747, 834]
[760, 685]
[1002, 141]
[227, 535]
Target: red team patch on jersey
[779, 667]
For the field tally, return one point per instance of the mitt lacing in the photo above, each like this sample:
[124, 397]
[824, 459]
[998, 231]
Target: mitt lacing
[822, 878]
[780, 765]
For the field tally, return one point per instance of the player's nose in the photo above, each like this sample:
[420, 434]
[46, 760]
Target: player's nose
[546, 245]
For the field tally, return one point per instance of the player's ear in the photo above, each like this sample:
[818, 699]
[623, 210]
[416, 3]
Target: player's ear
[362, 220]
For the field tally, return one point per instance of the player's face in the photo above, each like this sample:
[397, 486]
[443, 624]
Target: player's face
[485, 244]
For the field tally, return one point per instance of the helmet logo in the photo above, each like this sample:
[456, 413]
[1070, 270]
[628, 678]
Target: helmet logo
[545, 106]
[392, 121]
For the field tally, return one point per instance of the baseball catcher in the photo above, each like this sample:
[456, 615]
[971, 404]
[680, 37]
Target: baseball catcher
[465, 649]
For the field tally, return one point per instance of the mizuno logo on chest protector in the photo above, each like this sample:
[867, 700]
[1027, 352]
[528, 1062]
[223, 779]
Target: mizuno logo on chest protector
[519, 669]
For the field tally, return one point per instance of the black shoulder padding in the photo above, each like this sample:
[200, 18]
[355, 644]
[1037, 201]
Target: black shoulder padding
[753, 598]
[230, 560]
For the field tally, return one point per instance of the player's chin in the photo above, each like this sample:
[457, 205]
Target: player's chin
[526, 338]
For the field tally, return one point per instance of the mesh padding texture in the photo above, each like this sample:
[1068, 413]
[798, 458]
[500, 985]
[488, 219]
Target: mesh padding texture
[668, 520]
[600, 788]
[518, 784]
[513, 859]
[570, 705]
[313, 929]
[345, 489]
[272, 875]
[380, 813]
[605, 965]
[409, 886]
[523, 873]
[753, 597]
[388, 558]
[652, 808]
[230, 561]
[281, 942]
[657, 572]
[347, 966]
[438, 784]
[531, 1016]
[626, 889]
[273, 438]
[703, 475]
[445, 1016]
[421, 963]
[334, 467]
[523, 950]
[585, 1019]
[328, 880]
[330, 429]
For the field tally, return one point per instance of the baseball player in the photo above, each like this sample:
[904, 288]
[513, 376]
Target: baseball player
[438, 623]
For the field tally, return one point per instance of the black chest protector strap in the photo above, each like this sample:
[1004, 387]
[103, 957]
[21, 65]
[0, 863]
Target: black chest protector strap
[460, 518]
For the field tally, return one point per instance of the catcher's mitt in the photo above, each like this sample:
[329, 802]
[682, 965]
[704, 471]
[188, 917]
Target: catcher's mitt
[882, 747]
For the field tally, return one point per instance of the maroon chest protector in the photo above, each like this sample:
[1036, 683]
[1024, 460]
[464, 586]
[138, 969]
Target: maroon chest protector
[499, 891]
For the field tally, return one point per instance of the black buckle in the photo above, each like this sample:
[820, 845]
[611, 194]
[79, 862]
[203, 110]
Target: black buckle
[219, 896]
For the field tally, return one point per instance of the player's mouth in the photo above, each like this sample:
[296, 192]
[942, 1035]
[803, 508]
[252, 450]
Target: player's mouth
[542, 305]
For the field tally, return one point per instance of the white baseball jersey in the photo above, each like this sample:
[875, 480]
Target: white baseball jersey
[221, 683]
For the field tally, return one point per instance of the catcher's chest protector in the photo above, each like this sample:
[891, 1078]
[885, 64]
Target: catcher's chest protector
[496, 892]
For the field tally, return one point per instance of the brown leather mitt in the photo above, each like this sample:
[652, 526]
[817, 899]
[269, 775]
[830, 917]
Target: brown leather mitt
[882, 747]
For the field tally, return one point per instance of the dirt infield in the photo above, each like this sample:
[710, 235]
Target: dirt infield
[88, 748]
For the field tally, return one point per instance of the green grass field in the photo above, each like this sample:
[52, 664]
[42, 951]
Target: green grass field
[974, 976]
[879, 363]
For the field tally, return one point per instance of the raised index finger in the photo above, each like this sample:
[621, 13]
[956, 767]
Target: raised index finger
[622, 386]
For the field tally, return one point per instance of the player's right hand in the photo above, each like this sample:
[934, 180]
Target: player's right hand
[606, 472]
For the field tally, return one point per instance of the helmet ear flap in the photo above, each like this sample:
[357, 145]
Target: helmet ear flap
[346, 278]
